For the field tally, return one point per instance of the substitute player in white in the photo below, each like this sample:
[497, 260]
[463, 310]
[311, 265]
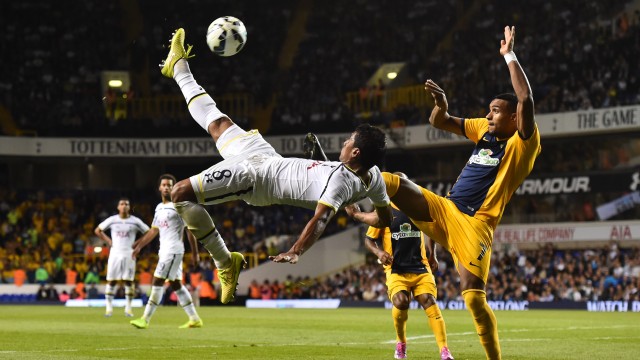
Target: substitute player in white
[254, 172]
[169, 225]
[121, 266]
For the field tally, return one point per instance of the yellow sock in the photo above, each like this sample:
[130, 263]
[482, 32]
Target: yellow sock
[436, 323]
[400, 322]
[485, 321]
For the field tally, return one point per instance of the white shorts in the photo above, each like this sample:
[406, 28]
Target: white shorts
[169, 267]
[121, 267]
[234, 177]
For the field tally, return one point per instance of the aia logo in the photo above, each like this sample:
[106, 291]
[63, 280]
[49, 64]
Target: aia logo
[314, 164]
[163, 224]
[122, 234]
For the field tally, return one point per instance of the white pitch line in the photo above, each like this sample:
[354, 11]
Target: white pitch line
[459, 340]
[518, 331]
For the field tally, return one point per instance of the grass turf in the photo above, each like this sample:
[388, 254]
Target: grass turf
[53, 332]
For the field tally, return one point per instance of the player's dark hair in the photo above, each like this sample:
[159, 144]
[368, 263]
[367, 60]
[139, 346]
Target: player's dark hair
[510, 98]
[167, 177]
[372, 143]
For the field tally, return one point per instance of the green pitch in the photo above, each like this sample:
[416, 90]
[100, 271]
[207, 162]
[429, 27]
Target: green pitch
[48, 332]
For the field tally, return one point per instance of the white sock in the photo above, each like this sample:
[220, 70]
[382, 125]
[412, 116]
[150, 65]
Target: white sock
[154, 301]
[108, 296]
[200, 224]
[129, 292]
[185, 300]
[201, 106]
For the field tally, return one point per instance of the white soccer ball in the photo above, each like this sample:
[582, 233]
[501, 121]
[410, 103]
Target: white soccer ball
[226, 36]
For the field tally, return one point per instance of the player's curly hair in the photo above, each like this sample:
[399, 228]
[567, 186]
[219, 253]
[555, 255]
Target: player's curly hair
[372, 143]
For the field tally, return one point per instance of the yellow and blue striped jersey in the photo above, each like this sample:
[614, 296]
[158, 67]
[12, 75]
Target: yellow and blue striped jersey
[494, 171]
[405, 242]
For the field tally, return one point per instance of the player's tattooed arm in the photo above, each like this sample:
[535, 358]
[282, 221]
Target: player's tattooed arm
[311, 232]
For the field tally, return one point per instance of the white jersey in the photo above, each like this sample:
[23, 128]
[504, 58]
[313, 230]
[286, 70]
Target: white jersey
[305, 183]
[254, 172]
[171, 228]
[123, 233]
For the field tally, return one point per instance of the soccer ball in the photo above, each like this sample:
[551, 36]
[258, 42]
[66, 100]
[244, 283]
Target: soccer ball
[226, 36]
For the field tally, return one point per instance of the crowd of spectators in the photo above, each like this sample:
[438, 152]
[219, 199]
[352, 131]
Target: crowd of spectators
[546, 274]
[51, 81]
[53, 53]
[49, 237]
[345, 43]
[580, 57]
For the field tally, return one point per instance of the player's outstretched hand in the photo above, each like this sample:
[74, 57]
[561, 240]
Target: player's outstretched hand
[287, 257]
[438, 94]
[506, 45]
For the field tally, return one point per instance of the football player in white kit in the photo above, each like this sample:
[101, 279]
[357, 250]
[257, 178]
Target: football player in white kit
[254, 172]
[121, 266]
[168, 224]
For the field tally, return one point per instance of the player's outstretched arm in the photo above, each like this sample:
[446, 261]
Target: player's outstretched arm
[440, 117]
[311, 232]
[525, 110]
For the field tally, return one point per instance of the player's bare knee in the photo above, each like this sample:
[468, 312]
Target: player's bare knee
[218, 126]
[158, 281]
[401, 300]
[176, 285]
[426, 300]
[183, 191]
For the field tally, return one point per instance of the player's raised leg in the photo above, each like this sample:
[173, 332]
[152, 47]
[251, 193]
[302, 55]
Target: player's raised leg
[484, 319]
[201, 106]
[211, 119]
